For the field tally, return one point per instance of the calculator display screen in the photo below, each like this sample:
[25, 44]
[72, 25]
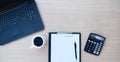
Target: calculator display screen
[99, 38]
[93, 36]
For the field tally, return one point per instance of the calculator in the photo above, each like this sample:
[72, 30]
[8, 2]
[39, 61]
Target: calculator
[94, 44]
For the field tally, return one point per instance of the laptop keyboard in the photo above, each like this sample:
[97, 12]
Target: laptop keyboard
[17, 17]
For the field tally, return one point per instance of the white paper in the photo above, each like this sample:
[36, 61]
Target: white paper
[62, 47]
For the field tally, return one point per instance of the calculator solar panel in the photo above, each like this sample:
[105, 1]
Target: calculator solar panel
[18, 20]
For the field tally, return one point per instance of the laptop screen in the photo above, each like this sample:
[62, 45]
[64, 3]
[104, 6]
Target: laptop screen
[7, 4]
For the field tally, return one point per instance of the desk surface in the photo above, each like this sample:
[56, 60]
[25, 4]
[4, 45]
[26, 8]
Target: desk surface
[85, 16]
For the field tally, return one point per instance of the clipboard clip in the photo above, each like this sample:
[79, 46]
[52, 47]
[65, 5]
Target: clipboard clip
[65, 34]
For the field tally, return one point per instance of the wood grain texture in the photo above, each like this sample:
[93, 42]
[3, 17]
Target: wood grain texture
[85, 16]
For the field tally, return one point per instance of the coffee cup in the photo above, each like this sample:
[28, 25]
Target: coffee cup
[38, 42]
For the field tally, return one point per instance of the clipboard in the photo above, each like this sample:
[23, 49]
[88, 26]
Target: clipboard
[64, 47]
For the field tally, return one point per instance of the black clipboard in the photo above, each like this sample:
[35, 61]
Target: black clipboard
[64, 47]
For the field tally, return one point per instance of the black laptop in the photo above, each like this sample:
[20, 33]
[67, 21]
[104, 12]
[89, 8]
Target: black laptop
[18, 18]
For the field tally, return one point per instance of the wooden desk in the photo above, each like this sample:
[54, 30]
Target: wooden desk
[85, 16]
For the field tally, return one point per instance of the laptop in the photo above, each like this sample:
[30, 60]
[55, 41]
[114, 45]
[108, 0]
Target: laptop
[18, 18]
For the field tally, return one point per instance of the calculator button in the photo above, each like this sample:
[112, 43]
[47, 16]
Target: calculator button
[98, 49]
[96, 46]
[88, 50]
[94, 52]
[97, 53]
[101, 42]
[92, 49]
[90, 46]
[94, 42]
[89, 41]
[95, 49]
[97, 43]
[100, 46]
